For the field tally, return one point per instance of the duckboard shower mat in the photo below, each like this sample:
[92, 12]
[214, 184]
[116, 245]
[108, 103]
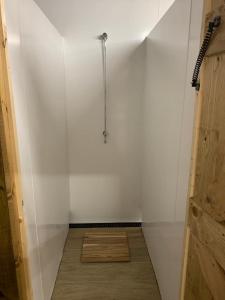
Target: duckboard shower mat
[105, 246]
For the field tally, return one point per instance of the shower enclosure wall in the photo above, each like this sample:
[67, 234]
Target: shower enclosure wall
[38, 84]
[172, 48]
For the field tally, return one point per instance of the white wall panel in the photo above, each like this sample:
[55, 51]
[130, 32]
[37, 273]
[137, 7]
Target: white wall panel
[167, 48]
[168, 109]
[37, 68]
[105, 179]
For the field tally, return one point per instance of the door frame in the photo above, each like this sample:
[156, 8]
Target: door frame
[8, 139]
[198, 106]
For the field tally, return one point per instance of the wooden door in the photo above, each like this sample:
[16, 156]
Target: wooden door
[11, 181]
[8, 282]
[204, 264]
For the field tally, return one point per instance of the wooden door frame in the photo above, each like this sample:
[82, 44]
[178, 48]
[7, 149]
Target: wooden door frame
[8, 139]
[196, 133]
[198, 106]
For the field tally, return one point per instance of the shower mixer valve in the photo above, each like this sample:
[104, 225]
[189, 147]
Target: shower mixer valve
[105, 134]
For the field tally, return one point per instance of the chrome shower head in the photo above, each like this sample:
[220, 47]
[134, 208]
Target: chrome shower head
[103, 37]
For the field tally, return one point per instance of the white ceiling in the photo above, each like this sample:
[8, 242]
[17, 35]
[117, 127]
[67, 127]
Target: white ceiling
[123, 19]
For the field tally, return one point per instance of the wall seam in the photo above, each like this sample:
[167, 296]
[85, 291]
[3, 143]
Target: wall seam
[67, 125]
[182, 114]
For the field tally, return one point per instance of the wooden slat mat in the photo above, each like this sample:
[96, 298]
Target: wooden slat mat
[105, 246]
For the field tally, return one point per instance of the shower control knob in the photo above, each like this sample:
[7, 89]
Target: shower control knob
[105, 36]
[105, 134]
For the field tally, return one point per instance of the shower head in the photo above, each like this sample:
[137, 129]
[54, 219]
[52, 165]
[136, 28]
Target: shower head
[103, 37]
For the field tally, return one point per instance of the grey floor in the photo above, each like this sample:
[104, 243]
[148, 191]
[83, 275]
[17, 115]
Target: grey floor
[133, 280]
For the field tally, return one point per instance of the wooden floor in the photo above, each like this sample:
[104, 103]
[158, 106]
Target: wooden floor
[134, 280]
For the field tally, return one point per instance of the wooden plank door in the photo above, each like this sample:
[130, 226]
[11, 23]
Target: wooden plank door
[11, 171]
[8, 282]
[204, 265]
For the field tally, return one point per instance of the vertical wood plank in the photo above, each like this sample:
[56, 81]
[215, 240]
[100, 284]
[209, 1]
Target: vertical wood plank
[8, 282]
[11, 168]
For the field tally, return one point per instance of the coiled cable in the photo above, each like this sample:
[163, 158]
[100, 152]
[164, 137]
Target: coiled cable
[213, 25]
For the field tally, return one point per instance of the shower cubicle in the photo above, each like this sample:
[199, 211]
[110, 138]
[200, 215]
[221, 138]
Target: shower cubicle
[104, 112]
